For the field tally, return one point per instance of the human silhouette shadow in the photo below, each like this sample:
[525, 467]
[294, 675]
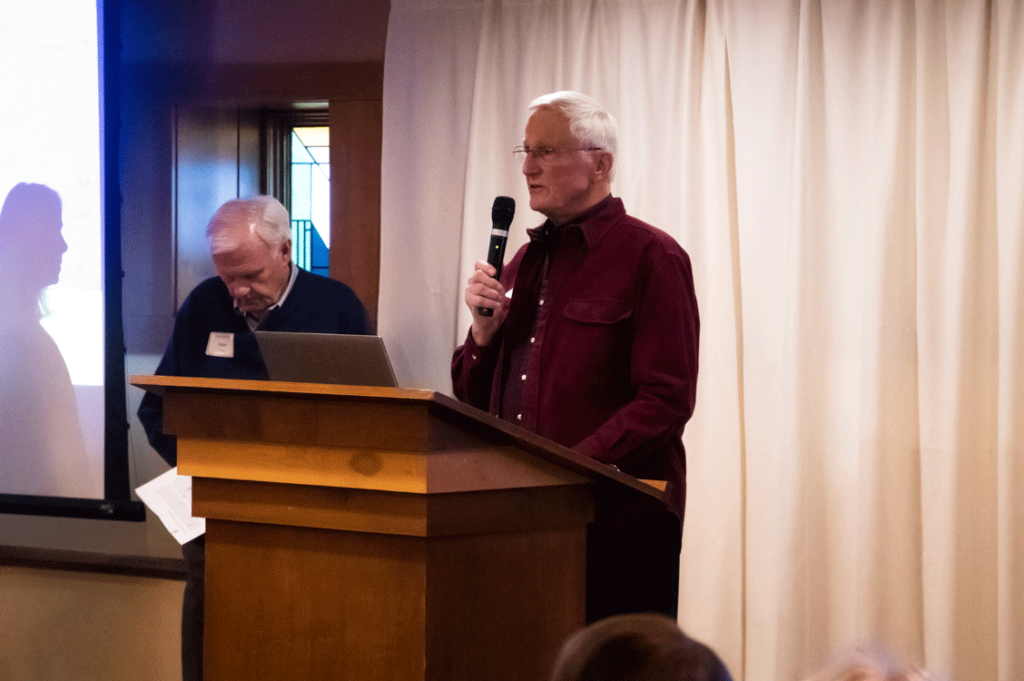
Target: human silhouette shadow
[42, 450]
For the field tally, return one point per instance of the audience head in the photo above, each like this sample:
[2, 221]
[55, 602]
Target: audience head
[870, 663]
[250, 243]
[640, 647]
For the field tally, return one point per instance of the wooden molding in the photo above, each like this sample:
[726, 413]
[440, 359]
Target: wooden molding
[86, 561]
[255, 84]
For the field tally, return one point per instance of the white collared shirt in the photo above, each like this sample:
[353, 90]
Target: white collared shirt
[252, 321]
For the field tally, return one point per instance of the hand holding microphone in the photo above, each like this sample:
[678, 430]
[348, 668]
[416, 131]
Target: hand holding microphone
[502, 211]
[483, 286]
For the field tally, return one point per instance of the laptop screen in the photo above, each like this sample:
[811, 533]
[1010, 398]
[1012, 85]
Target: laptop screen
[326, 358]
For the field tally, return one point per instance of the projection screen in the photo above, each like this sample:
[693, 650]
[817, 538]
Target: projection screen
[61, 343]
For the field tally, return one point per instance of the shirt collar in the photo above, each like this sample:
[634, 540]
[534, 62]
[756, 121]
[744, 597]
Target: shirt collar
[593, 222]
[291, 283]
[292, 276]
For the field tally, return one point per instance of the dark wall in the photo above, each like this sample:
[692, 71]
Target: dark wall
[180, 58]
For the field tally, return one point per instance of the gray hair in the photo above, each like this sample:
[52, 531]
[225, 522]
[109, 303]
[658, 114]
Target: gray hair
[871, 663]
[589, 121]
[263, 215]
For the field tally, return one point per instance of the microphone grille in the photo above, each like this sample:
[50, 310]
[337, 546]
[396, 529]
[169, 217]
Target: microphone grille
[503, 209]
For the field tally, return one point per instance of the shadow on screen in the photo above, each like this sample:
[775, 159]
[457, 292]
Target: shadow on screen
[42, 450]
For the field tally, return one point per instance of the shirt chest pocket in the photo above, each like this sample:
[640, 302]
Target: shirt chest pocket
[602, 311]
[595, 337]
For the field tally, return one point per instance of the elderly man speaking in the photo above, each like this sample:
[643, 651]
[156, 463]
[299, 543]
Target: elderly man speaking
[257, 287]
[596, 347]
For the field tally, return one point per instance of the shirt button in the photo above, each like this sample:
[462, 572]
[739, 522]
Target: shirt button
[474, 358]
[533, 340]
[523, 377]
[519, 416]
[541, 302]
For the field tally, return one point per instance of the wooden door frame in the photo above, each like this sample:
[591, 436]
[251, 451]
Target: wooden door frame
[353, 92]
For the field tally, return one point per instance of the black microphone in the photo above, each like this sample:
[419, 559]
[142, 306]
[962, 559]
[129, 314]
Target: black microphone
[501, 218]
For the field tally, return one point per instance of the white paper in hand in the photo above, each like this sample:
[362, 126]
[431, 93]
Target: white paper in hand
[169, 497]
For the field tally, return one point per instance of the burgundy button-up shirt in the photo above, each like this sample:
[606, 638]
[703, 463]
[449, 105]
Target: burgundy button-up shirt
[602, 341]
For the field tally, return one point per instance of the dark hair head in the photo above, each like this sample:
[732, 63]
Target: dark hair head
[640, 647]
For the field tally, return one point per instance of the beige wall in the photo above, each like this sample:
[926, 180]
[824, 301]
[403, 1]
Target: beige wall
[59, 626]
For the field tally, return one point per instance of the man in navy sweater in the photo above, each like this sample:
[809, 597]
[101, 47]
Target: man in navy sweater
[257, 287]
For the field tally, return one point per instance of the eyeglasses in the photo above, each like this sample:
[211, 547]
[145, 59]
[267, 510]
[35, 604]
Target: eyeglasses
[544, 155]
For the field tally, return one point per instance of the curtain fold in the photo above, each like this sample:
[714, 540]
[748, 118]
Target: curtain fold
[429, 62]
[1008, 77]
[848, 179]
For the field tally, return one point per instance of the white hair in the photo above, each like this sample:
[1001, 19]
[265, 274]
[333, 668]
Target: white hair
[263, 215]
[589, 121]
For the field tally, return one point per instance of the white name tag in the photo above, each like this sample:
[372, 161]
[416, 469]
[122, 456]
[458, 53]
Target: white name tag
[221, 344]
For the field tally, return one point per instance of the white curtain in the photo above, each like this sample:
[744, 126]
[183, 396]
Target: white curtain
[848, 178]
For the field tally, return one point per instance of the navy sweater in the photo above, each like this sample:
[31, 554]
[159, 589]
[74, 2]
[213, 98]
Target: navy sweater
[315, 305]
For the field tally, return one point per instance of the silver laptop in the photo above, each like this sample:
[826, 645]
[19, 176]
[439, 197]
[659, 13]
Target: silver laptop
[326, 358]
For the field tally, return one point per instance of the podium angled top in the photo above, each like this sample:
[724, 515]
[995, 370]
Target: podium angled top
[188, 384]
[315, 417]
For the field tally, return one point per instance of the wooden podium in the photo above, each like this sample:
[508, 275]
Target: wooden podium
[383, 534]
